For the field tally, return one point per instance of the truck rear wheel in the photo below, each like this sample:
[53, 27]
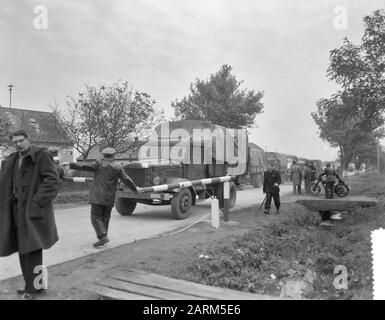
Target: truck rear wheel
[181, 204]
[125, 206]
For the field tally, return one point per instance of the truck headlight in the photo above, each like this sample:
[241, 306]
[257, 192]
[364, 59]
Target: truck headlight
[156, 180]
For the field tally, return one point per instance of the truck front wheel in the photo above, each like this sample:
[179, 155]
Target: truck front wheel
[125, 206]
[181, 204]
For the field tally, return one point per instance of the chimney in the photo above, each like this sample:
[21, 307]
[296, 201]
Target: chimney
[136, 139]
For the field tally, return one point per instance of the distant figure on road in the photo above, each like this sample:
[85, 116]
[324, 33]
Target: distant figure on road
[29, 183]
[307, 176]
[103, 190]
[313, 171]
[296, 176]
[271, 182]
[53, 153]
[331, 176]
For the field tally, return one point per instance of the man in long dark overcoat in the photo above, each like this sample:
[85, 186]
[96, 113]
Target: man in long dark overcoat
[29, 182]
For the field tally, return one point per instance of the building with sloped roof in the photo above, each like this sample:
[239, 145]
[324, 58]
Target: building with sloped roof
[43, 128]
[130, 151]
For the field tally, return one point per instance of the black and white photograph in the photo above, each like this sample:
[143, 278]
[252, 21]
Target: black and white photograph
[206, 152]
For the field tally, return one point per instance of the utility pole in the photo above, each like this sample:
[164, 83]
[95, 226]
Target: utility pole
[10, 86]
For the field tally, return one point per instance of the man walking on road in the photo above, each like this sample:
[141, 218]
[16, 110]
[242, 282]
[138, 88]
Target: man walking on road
[29, 183]
[271, 182]
[296, 176]
[103, 190]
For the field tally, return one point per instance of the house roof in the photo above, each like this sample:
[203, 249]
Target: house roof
[42, 127]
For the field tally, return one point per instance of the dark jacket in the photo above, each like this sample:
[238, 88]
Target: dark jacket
[307, 173]
[38, 183]
[269, 179]
[106, 175]
[313, 172]
[330, 174]
[295, 174]
[60, 171]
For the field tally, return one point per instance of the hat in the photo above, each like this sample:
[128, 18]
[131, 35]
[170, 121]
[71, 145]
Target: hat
[108, 151]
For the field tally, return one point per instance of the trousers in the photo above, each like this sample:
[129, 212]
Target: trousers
[276, 199]
[296, 187]
[100, 219]
[329, 190]
[307, 185]
[29, 262]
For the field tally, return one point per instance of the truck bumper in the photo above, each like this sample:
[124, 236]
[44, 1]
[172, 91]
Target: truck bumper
[127, 193]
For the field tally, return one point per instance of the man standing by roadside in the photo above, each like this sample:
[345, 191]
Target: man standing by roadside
[29, 183]
[103, 190]
[271, 182]
[307, 175]
[296, 176]
[55, 159]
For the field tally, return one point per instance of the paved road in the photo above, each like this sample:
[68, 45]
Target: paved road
[76, 233]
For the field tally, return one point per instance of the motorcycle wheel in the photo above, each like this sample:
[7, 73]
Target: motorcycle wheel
[341, 190]
[315, 189]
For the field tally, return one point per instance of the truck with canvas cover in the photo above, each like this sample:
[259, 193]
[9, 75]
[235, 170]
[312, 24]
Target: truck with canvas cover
[185, 153]
[256, 164]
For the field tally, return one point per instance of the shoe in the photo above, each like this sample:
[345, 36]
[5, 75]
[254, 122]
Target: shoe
[28, 296]
[40, 291]
[101, 242]
[277, 211]
[266, 212]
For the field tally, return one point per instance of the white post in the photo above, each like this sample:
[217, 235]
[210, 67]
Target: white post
[215, 213]
[226, 197]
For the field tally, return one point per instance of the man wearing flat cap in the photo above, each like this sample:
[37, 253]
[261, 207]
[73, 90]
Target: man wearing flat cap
[102, 195]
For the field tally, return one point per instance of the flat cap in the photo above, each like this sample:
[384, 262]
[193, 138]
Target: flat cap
[110, 151]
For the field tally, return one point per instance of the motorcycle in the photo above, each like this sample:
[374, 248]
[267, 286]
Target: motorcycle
[341, 188]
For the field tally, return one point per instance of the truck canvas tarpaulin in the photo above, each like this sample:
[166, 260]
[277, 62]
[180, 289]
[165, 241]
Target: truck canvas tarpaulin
[198, 142]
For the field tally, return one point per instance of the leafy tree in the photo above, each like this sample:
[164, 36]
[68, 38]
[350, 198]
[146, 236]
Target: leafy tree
[220, 100]
[108, 116]
[366, 151]
[353, 114]
[342, 125]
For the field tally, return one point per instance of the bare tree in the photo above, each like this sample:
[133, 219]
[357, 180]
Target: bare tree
[108, 116]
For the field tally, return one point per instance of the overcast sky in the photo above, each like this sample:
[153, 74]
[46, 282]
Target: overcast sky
[161, 46]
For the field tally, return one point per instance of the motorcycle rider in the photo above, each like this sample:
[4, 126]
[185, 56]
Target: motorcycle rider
[331, 176]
